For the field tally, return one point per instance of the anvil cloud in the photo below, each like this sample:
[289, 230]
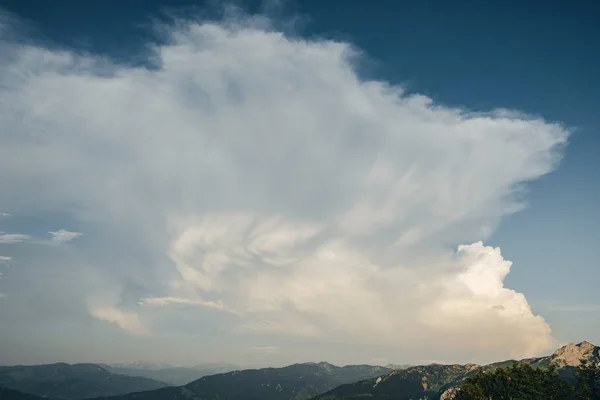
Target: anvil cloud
[256, 175]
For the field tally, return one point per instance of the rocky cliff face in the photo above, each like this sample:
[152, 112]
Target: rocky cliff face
[568, 356]
[571, 354]
[449, 393]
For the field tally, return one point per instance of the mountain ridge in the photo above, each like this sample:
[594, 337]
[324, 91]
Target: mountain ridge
[299, 381]
[325, 381]
[441, 381]
[71, 381]
[172, 375]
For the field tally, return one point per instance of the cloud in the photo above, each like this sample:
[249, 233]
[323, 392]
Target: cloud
[4, 214]
[126, 320]
[262, 172]
[264, 349]
[63, 236]
[175, 301]
[10, 238]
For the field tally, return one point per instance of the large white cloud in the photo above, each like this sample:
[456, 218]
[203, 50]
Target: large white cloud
[279, 187]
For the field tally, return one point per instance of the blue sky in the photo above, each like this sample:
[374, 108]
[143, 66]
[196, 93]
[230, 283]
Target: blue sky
[534, 57]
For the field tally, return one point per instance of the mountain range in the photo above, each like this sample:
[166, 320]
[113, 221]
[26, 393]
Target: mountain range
[172, 375]
[67, 382]
[316, 381]
[294, 382]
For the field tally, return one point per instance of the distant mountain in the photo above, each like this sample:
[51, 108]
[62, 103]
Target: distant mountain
[442, 381]
[398, 366]
[294, 382]
[68, 382]
[172, 375]
[139, 365]
[411, 383]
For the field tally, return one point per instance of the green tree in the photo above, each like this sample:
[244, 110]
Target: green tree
[519, 382]
[588, 381]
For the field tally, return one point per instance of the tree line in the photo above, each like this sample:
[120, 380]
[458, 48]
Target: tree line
[524, 382]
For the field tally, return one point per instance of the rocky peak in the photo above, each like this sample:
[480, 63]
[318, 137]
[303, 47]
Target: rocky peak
[449, 393]
[571, 354]
[327, 367]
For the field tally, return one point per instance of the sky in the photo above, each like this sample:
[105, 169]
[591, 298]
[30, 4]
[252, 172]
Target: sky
[265, 183]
